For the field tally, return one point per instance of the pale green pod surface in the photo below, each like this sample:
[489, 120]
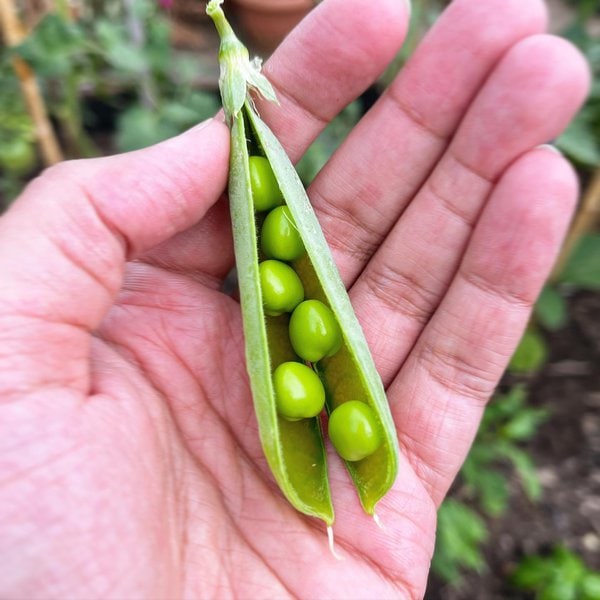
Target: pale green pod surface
[350, 374]
[294, 450]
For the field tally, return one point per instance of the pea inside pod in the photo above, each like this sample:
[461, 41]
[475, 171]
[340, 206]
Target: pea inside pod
[294, 446]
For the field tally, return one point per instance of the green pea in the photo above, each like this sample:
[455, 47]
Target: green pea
[314, 331]
[280, 238]
[265, 189]
[281, 287]
[353, 430]
[299, 393]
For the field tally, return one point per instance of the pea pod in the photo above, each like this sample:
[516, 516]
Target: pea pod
[295, 449]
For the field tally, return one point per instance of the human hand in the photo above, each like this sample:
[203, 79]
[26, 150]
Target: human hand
[129, 454]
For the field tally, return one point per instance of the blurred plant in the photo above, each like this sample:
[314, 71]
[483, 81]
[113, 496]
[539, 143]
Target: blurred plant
[58, 51]
[560, 576]
[507, 424]
[483, 484]
[116, 54]
[327, 142]
[580, 271]
[461, 533]
[581, 140]
[17, 149]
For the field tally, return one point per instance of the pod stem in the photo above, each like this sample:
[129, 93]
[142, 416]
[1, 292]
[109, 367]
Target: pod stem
[238, 73]
[215, 12]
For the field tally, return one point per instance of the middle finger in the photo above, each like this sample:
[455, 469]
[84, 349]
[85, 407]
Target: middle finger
[367, 184]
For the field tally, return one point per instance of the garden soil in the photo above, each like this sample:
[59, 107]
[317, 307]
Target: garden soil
[566, 452]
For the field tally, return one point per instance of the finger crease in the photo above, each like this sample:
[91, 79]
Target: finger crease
[403, 293]
[295, 101]
[455, 373]
[414, 116]
[349, 243]
[112, 229]
[497, 290]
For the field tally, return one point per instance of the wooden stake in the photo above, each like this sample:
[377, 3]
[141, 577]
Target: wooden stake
[13, 33]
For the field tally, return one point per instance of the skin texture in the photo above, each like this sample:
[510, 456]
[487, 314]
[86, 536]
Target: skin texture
[130, 465]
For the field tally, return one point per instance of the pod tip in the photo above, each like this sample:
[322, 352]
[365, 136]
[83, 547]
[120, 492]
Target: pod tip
[378, 521]
[331, 541]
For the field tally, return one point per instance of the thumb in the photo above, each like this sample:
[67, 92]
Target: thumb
[64, 243]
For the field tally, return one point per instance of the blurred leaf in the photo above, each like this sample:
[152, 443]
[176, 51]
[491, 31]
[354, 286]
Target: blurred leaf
[140, 127]
[196, 108]
[530, 355]
[558, 590]
[525, 468]
[329, 140]
[568, 564]
[590, 586]
[493, 492]
[53, 46]
[579, 141]
[504, 405]
[461, 533]
[524, 424]
[118, 49]
[560, 576]
[532, 572]
[179, 114]
[551, 309]
[583, 266]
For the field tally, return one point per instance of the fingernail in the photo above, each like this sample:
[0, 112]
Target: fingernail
[550, 147]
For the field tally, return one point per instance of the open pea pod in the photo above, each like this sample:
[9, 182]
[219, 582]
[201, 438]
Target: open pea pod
[295, 449]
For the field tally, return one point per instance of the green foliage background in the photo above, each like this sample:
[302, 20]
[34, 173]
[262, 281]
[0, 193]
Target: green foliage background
[119, 56]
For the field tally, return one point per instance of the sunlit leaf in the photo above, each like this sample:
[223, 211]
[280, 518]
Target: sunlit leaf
[530, 354]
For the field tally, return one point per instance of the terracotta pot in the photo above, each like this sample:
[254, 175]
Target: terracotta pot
[266, 22]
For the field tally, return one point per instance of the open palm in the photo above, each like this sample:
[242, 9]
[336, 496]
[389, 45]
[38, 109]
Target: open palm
[130, 465]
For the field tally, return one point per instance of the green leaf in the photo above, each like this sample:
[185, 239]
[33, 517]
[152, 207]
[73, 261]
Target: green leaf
[532, 572]
[525, 468]
[506, 405]
[461, 533]
[493, 490]
[118, 50]
[551, 309]
[569, 565]
[53, 46]
[140, 127]
[560, 576]
[579, 141]
[530, 354]
[583, 266]
[590, 586]
[524, 424]
[558, 590]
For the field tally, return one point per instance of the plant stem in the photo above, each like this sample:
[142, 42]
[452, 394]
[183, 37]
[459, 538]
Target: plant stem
[585, 220]
[136, 33]
[13, 33]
